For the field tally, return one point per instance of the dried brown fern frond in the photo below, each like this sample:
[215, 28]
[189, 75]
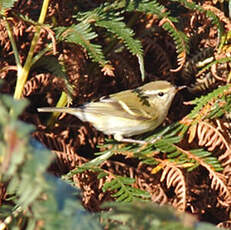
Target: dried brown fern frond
[225, 160]
[225, 224]
[221, 71]
[126, 70]
[216, 72]
[92, 194]
[211, 137]
[219, 14]
[206, 106]
[36, 84]
[218, 181]
[66, 157]
[158, 195]
[74, 59]
[199, 80]
[214, 137]
[119, 168]
[148, 182]
[5, 68]
[203, 201]
[202, 84]
[5, 42]
[174, 177]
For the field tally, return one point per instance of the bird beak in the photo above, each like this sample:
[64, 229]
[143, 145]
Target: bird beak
[178, 88]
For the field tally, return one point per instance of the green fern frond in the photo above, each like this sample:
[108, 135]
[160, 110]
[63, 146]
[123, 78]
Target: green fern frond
[180, 40]
[123, 32]
[220, 107]
[125, 191]
[126, 34]
[107, 18]
[180, 156]
[147, 6]
[207, 158]
[143, 6]
[81, 34]
[89, 166]
[93, 15]
[5, 4]
[93, 164]
[205, 100]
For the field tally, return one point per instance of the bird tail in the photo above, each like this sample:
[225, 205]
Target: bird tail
[55, 109]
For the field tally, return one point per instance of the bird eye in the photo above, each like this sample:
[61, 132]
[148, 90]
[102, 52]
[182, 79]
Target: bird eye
[160, 94]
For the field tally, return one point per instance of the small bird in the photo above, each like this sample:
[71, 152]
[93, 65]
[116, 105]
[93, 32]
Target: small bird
[127, 113]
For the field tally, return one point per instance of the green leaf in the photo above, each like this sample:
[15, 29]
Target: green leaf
[35, 195]
[15, 107]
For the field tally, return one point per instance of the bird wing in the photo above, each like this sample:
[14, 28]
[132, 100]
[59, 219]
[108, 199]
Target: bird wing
[121, 105]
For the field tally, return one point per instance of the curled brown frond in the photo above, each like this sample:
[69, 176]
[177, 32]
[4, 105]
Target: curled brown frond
[66, 158]
[203, 84]
[180, 41]
[219, 14]
[158, 195]
[151, 183]
[218, 183]
[226, 159]
[36, 83]
[225, 224]
[218, 180]
[220, 71]
[211, 137]
[174, 178]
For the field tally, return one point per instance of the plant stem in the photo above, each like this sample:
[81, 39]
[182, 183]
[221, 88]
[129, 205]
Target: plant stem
[13, 43]
[23, 73]
[61, 103]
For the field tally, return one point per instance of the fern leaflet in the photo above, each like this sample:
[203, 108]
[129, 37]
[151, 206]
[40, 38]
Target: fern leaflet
[180, 40]
[209, 98]
[125, 191]
[108, 18]
[147, 6]
[81, 34]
